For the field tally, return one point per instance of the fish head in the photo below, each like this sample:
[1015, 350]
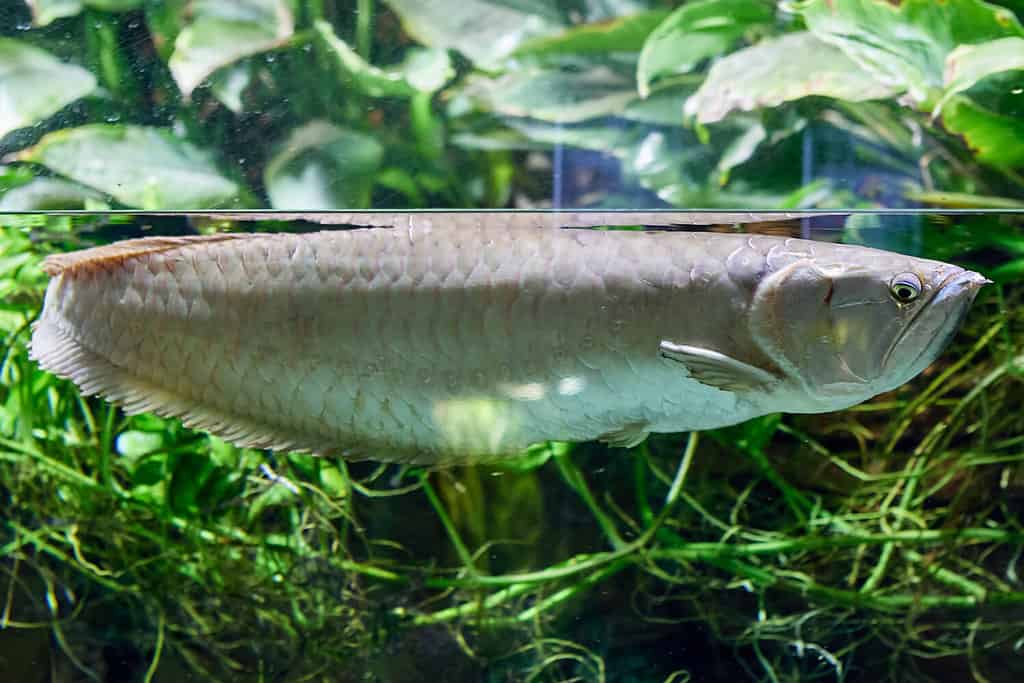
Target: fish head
[850, 322]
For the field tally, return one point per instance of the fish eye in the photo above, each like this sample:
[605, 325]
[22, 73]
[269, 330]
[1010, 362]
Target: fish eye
[905, 288]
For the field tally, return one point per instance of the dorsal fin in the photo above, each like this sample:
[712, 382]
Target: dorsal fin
[119, 252]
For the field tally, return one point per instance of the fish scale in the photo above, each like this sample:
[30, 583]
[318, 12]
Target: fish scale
[436, 341]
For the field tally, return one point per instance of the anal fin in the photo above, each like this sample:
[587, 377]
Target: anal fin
[629, 436]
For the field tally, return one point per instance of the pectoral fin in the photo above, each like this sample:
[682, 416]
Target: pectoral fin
[627, 437]
[716, 369]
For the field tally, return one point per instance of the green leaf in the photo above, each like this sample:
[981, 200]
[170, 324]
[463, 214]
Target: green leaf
[334, 481]
[995, 139]
[150, 471]
[323, 167]
[625, 34]
[114, 5]
[486, 31]
[535, 456]
[34, 84]
[905, 44]
[555, 95]
[135, 444]
[426, 70]
[694, 32]
[165, 20]
[219, 33]
[963, 200]
[229, 84]
[663, 108]
[47, 11]
[756, 434]
[422, 70]
[1010, 271]
[741, 149]
[778, 70]
[220, 486]
[597, 137]
[191, 470]
[969, 64]
[49, 194]
[141, 167]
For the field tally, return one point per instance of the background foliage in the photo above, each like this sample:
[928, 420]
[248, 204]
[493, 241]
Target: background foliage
[311, 104]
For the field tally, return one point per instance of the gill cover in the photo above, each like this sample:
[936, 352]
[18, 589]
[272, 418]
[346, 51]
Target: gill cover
[829, 328]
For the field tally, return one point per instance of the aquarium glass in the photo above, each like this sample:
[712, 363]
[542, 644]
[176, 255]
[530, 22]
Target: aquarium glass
[881, 542]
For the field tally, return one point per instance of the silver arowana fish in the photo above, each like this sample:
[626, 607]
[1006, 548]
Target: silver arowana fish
[462, 338]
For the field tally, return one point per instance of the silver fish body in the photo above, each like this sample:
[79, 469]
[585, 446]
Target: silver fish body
[439, 342]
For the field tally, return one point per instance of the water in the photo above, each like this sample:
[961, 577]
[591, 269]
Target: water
[798, 545]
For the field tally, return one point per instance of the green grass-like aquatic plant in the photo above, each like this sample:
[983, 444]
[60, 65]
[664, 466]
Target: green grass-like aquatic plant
[879, 543]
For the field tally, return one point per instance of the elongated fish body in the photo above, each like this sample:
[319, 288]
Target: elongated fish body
[443, 342]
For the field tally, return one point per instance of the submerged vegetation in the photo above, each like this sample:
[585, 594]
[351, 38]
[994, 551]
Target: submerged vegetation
[881, 543]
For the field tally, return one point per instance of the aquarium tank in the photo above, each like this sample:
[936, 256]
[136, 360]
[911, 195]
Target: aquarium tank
[879, 542]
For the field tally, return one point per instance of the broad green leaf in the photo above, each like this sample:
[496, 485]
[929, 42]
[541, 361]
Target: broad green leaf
[556, 95]
[219, 33]
[229, 84]
[323, 167]
[191, 472]
[598, 137]
[134, 443]
[754, 434]
[422, 71]
[426, 70]
[741, 149]
[694, 32]
[995, 139]
[536, 455]
[494, 139]
[14, 175]
[334, 481]
[905, 44]
[663, 107]
[486, 31]
[141, 167]
[47, 11]
[149, 479]
[778, 70]
[165, 20]
[969, 64]
[49, 194]
[34, 84]
[625, 34]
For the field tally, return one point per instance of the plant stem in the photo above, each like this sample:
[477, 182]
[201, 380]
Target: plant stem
[673, 492]
[575, 479]
[913, 474]
[449, 526]
[364, 28]
[157, 650]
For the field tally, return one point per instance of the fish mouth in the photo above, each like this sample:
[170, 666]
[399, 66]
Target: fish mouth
[952, 298]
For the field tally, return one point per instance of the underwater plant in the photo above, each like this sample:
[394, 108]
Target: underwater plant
[783, 548]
